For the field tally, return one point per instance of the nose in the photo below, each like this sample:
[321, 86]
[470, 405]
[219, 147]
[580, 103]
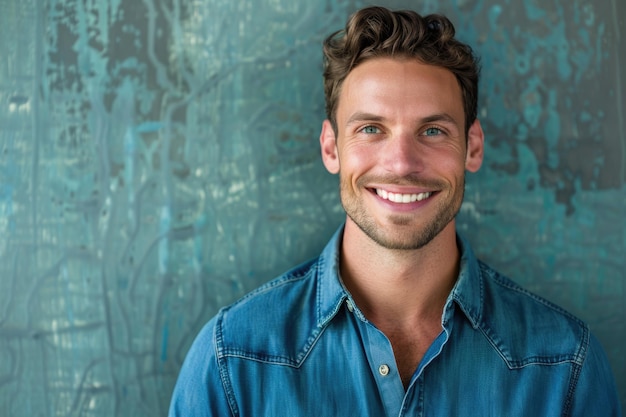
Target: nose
[403, 154]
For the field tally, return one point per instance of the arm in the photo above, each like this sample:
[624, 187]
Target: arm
[199, 391]
[595, 393]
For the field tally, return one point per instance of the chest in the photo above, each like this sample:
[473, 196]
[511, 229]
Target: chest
[409, 348]
[341, 375]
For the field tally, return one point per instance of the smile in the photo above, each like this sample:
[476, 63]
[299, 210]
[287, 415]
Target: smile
[402, 198]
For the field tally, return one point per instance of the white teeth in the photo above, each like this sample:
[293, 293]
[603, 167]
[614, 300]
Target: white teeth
[401, 198]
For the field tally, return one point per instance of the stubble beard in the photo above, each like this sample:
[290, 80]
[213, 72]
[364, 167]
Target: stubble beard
[411, 237]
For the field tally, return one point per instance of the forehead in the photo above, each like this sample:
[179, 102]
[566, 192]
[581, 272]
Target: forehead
[400, 87]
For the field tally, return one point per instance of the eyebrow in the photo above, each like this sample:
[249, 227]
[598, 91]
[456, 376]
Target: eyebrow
[363, 117]
[371, 117]
[440, 117]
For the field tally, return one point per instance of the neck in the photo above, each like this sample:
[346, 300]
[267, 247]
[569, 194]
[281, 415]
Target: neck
[399, 287]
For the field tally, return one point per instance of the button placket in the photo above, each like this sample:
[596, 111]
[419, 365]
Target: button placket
[382, 365]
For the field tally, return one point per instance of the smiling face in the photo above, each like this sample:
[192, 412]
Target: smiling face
[401, 151]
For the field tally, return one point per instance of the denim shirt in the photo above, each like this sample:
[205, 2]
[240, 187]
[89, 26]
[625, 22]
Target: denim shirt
[299, 346]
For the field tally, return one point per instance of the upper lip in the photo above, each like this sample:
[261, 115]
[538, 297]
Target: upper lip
[400, 189]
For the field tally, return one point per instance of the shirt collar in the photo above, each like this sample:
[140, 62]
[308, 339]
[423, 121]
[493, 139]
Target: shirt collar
[330, 292]
[467, 292]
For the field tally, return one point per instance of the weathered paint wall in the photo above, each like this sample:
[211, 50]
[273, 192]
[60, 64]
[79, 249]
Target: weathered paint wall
[159, 158]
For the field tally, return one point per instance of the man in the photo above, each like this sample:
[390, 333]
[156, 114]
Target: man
[396, 317]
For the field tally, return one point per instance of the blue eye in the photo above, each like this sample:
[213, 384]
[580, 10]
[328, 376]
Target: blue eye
[432, 131]
[370, 129]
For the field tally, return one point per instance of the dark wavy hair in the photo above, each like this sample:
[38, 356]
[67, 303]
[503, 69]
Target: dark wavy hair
[379, 32]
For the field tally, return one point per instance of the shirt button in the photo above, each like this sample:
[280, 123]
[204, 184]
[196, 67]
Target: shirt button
[350, 306]
[383, 370]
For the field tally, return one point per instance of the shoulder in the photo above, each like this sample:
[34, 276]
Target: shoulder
[280, 321]
[287, 283]
[528, 328]
[274, 322]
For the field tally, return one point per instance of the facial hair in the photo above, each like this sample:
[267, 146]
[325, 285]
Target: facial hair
[409, 237]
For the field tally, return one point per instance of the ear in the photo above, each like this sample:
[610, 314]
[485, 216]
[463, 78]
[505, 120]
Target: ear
[328, 144]
[475, 147]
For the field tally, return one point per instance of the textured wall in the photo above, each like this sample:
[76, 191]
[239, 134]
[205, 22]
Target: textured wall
[158, 158]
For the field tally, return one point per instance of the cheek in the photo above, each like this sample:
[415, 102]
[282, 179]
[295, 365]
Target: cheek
[355, 159]
[452, 166]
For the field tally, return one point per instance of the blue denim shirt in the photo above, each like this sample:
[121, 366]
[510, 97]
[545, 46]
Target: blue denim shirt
[299, 346]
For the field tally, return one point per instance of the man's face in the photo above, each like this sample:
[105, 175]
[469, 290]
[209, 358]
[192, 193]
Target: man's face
[401, 150]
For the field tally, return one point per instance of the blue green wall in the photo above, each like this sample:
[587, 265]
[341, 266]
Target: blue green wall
[159, 158]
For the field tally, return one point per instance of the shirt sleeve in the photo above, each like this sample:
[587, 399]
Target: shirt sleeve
[199, 391]
[595, 393]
